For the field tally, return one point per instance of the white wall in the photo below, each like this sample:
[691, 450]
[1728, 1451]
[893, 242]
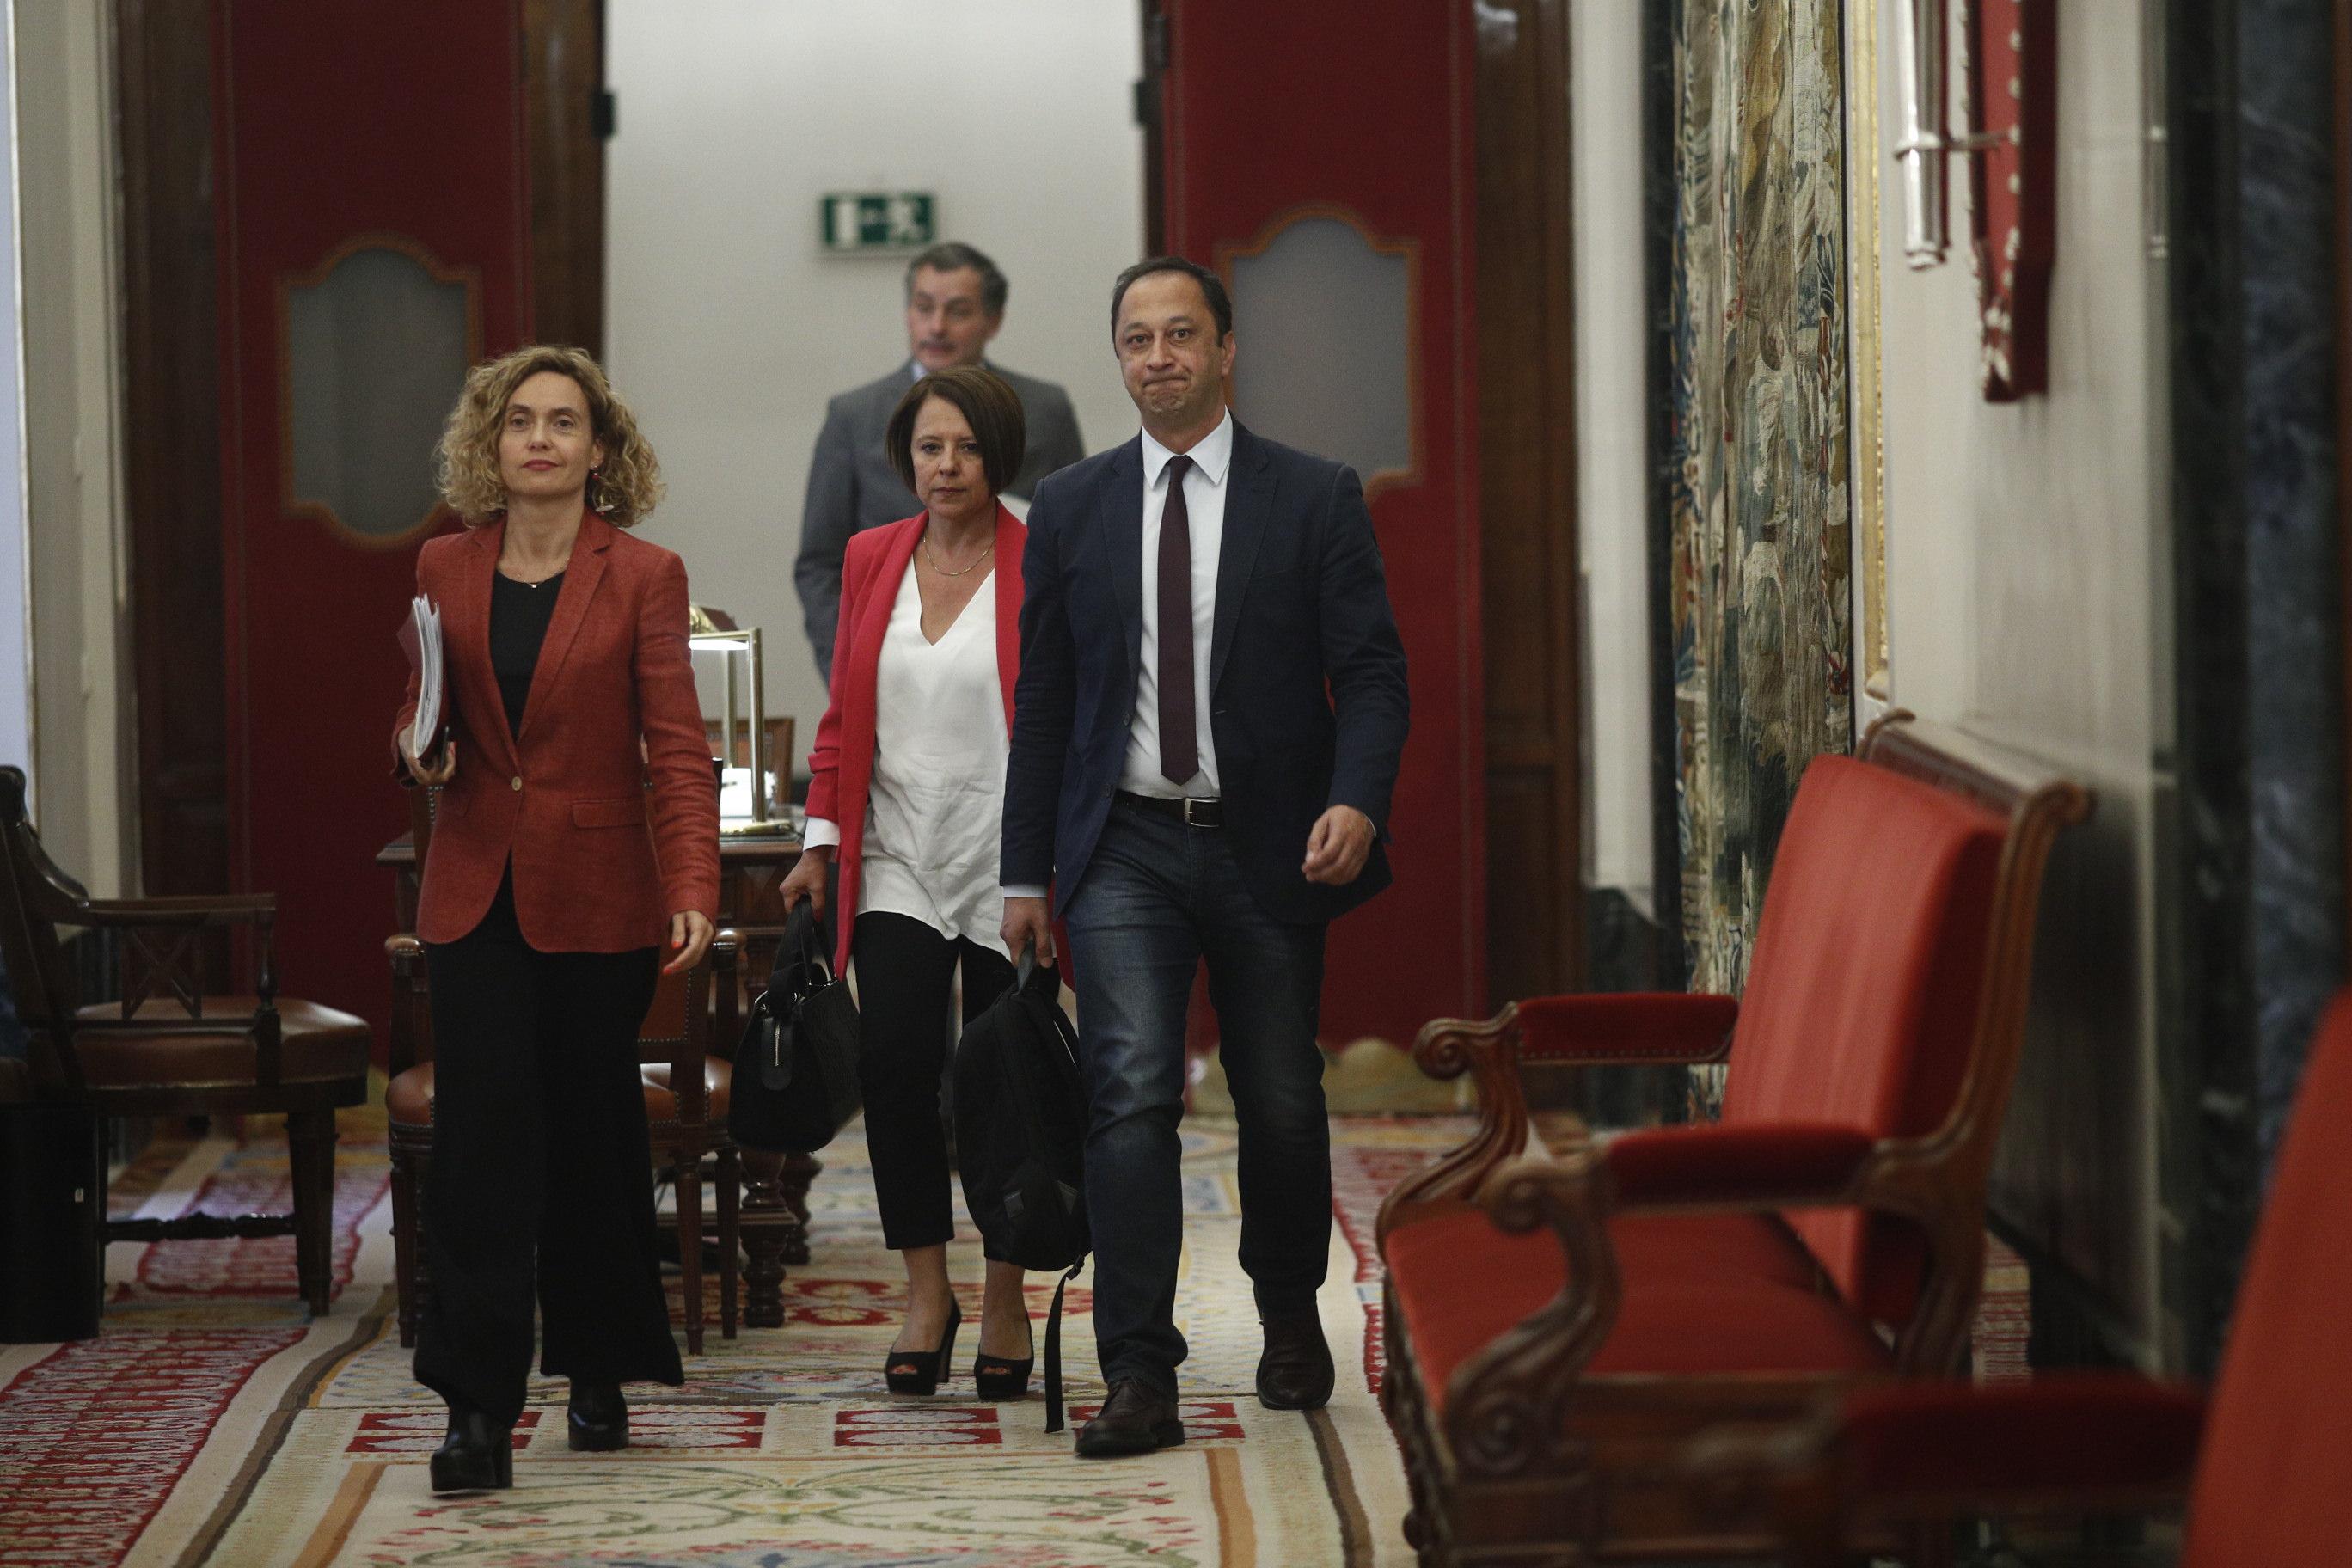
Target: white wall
[1613, 480]
[727, 329]
[65, 168]
[2028, 562]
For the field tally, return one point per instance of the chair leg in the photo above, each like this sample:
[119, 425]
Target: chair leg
[798, 1173]
[730, 1254]
[310, 1148]
[405, 1239]
[764, 1243]
[688, 1170]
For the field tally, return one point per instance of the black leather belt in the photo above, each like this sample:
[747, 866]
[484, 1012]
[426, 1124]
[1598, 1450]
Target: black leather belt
[1191, 813]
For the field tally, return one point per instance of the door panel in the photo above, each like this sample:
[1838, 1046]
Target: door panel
[1330, 140]
[373, 221]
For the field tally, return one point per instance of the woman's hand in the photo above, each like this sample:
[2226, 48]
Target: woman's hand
[441, 773]
[690, 933]
[807, 880]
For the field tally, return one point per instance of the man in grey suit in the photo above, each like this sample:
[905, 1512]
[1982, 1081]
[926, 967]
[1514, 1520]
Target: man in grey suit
[955, 304]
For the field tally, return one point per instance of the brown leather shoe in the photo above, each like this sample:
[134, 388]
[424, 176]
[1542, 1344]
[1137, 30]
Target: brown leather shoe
[1136, 1419]
[1295, 1373]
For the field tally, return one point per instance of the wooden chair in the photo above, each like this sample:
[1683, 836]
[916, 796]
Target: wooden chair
[167, 1048]
[2261, 1463]
[1559, 1327]
[686, 1088]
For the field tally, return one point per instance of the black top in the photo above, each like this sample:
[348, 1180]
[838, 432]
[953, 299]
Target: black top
[518, 616]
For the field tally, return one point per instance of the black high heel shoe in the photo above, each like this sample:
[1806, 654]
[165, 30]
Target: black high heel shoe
[1002, 1377]
[477, 1456]
[929, 1366]
[597, 1417]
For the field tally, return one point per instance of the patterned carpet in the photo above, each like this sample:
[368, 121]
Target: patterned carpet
[211, 1422]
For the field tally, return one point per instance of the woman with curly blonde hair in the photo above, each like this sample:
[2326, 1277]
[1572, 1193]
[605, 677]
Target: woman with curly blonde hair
[554, 875]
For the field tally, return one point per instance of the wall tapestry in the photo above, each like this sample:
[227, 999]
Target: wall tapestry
[1758, 503]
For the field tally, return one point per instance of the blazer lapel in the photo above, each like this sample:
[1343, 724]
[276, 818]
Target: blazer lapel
[1121, 518]
[1011, 537]
[581, 575]
[1247, 508]
[471, 622]
[872, 601]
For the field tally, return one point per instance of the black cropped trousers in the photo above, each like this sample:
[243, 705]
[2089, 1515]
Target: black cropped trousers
[541, 1179]
[905, 975]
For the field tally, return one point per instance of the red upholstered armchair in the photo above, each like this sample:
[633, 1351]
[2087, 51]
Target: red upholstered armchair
[1559, 1326]
[2264, 1464]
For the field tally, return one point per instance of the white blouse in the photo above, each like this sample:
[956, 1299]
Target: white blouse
[935, 805]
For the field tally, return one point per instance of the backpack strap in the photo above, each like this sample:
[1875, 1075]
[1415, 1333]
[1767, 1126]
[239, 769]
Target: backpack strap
[1054, 1350]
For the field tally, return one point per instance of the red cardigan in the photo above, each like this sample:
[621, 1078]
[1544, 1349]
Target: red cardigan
[612, 705]
[841, 765]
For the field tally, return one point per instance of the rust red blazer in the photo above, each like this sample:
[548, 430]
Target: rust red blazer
[567, 800]
[841, 765]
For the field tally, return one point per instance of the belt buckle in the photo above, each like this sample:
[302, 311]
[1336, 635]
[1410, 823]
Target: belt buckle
[1208, 817]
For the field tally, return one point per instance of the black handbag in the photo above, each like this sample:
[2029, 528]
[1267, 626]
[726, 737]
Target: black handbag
[796, 1071]
[1021, 1141]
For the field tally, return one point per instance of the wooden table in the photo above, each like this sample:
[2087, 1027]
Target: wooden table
[774, 1216]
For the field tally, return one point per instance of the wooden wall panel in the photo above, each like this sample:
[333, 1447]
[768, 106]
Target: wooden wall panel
[564, 101]
[172, 496]
[1527, 478]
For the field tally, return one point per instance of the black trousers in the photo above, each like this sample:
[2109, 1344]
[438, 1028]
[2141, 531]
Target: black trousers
[539, 1150]
[904, 969]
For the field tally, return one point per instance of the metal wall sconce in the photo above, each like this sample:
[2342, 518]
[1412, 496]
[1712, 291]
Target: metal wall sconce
[2009, 85]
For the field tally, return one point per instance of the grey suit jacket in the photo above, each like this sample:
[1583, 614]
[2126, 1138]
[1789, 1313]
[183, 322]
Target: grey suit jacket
[852, 487]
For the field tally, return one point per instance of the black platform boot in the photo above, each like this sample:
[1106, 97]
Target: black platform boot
[599, 1416]
[477, 1456]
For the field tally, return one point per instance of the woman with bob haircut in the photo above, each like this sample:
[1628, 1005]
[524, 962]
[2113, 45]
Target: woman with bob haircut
[554, 877]
[908, 789]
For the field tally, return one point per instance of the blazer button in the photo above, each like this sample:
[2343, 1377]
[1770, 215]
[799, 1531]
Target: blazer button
[516, 781]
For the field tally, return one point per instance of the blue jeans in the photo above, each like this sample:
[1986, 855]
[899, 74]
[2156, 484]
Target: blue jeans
[1159, 898]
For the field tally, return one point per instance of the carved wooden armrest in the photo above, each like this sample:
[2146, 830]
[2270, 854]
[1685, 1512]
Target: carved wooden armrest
[726, 955]
[1488, 1051]
[411, 1013]
[161, 941]
[1528, 1372]
[1627, 1028]
[203, 909]
[1740, 1165]
[1665, 1027]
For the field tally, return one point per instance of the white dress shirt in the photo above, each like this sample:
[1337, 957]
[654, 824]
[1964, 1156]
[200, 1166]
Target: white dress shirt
[1204, 510]
[935, 805]
[1204, 506]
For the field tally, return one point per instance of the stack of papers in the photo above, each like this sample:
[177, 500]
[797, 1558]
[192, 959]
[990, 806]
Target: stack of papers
[423, 642]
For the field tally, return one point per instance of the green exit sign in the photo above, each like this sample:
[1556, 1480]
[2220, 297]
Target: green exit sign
[878, 220]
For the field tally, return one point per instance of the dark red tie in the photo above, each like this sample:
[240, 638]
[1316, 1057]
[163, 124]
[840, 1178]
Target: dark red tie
[1179, 751]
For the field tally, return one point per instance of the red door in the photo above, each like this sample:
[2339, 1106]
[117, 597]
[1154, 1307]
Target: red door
[373, 240]
[1318, 153]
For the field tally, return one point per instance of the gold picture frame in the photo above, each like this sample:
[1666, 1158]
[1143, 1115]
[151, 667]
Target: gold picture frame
[1867, 476]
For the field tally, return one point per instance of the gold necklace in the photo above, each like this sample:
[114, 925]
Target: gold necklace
[943, 571]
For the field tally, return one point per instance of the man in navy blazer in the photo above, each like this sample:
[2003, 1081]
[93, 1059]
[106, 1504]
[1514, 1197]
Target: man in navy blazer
[1206, 734]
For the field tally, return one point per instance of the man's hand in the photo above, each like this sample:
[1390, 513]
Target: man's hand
[1337, 847]
[443, 769]
[807, 880]
[690, 932]
[1029, 922]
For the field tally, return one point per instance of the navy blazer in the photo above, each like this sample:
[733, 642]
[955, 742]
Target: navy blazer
[1307, 674]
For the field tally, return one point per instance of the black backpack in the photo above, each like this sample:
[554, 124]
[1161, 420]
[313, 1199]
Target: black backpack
[1021, 1139]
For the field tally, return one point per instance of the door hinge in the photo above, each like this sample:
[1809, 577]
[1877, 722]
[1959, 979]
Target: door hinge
[604, 113]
